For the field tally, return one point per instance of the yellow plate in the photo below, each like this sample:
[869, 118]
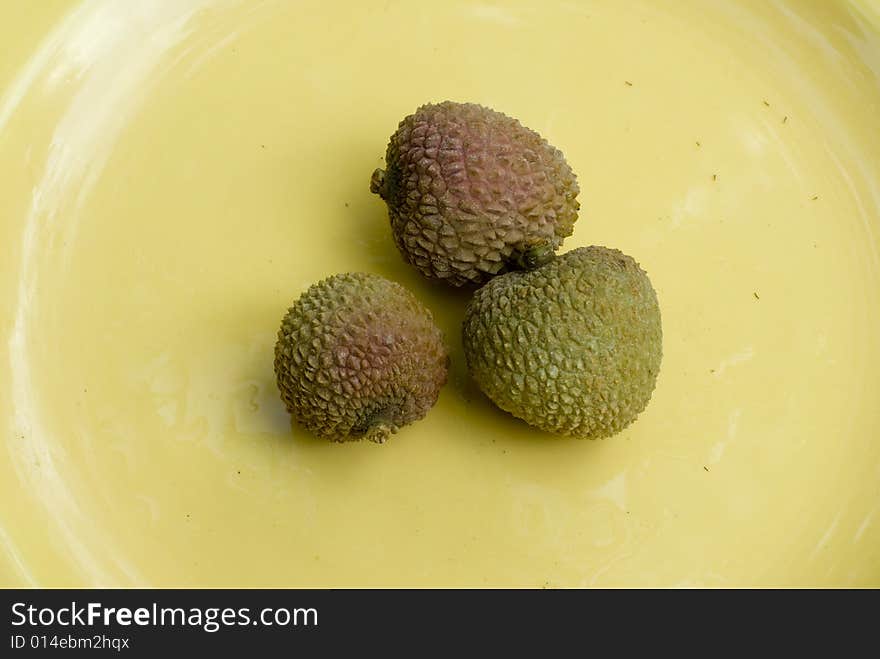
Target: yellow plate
[176, 172]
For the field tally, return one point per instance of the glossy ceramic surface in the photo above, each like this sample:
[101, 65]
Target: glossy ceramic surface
[176, 172]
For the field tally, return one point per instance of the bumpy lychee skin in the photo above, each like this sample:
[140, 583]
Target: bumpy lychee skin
[358, 357]
[573, 347]
[472, 193]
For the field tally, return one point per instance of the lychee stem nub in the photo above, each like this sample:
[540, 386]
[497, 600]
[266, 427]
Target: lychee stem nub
[377, 183]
